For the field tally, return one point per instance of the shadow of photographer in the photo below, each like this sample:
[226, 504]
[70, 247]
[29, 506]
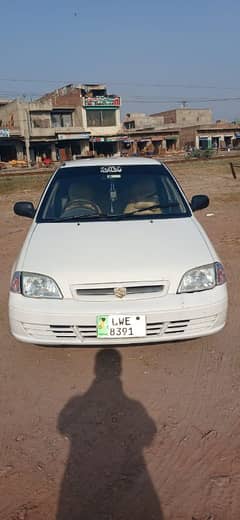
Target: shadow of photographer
[106, 477]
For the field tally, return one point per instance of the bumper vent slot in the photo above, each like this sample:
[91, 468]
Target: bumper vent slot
[87, 331]
[63, 331]
[176, 327]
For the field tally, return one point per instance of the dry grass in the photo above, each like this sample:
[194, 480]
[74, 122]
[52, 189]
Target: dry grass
[213, 178]
[18, 183]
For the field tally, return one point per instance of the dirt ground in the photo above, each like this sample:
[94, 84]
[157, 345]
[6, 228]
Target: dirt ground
[144, 433]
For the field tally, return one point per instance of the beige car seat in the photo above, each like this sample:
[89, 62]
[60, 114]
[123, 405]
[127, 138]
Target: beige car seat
[143, 195]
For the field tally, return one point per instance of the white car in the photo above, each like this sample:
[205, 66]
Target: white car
[114, 255]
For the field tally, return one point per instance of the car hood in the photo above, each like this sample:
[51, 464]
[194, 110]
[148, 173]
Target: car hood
[119, 251]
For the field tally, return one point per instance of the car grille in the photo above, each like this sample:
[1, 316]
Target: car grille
[101, 292]
[85, 333]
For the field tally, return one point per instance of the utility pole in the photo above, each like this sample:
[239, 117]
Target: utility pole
[27, 138]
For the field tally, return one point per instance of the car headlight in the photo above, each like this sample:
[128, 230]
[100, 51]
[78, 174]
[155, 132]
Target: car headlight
[35, 285]
[202, 278]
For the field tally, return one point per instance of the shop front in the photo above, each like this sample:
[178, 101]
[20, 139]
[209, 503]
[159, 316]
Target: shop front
[11, 147]
[109, 146]
[236, 140]
[144, 145]
[171, 143]
[8, 150]
[228, 142]
[150, 145]
[71, 146]
[205, 142]
[40, 151]
[99, 146]
[157, 142]
[63, 147]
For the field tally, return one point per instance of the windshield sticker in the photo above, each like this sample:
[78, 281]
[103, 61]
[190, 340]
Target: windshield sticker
[110, 169]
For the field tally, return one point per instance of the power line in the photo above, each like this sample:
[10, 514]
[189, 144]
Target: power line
[119, 83]
[140, 99]
[135, 99]
[28, 80]
[175, 85]
[179, 100]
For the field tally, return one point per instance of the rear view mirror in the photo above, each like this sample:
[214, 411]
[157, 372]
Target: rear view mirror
[24, 209]
[199, 202]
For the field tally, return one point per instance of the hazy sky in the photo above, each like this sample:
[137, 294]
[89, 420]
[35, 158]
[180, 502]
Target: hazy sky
[154, 53]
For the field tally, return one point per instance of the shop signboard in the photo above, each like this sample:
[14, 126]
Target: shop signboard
[102, 101]
[67, 137]
[113, 139]
[4, 132]
[116, 138]
[97, 139]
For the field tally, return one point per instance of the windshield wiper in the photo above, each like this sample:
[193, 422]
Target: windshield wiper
[77, 218]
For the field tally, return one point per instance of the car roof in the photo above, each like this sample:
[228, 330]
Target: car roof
[127, 161]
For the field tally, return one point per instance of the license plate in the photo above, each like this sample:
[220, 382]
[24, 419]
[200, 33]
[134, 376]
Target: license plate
[121, 326]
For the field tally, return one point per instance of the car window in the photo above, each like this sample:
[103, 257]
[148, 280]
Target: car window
[112, 192]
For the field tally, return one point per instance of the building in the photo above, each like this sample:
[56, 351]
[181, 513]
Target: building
[178, 129]
[176, 118]
[149, 133]
[71, 121]
[84, 120]
[139, 121]
[220, 135]
[185, 116]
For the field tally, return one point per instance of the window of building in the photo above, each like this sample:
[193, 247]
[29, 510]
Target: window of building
[101, 118]
[129, 124]
[61, 119]
[39, 120]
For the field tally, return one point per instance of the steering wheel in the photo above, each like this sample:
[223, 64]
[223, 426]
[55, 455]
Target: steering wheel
[81, 207]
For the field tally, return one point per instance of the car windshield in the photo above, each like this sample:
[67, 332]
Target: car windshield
[124, 192]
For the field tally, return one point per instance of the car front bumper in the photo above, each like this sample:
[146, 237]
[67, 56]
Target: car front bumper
[72, 322]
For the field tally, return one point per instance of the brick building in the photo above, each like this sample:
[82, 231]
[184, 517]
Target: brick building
[70, 121]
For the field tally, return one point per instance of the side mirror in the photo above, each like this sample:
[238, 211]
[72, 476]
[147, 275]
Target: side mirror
[24, 209]
[199, 202]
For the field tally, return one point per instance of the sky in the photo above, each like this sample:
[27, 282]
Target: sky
[154, 54]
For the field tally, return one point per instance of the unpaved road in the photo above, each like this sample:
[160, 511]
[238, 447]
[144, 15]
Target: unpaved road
[159, 441]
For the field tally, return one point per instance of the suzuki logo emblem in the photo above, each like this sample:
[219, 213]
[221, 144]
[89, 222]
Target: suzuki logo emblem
[120, 292]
